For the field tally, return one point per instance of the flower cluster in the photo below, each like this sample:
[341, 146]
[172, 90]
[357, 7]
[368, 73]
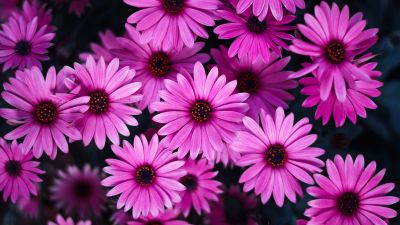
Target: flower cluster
[230, 110]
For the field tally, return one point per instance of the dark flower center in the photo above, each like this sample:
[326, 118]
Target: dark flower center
[201, 111]
[145, 175]
[13, 168]
[23, 48]
[190, 182]
[256, 26]
[335, 52]
[153, 223]
[98, 102]
[173, 6]
[46, 112]
[159, 64]
[83, 189]
[348, 203]
[248, 82]
[276, 156]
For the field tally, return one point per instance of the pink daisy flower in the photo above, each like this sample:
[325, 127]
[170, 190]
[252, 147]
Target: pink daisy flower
[167, 218]
[254, 38]
[301, 222]
[79, 192]
[233, 208]
[18, 173]
[172, 24]
[227, 156]
[120, 217]
[261, 7]
[32, 9]
[29, 206]
[75, 6]
[278, 157]
[112, 92]
[266, 83]
[357, 99]
[42, 111]
[201, 187]
[153, 65]
[351, 194]
[23, 43]
[108, 41]
[145, 176]
[334, 41]
[61, 221]
[6, 8]
[199, 113]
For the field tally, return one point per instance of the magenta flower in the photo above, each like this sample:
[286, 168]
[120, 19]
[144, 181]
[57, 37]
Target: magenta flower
[261, 7]
[23, 43]
[112, 92]
[29, 207]
[279, 156]
[301, 222]
[79, 191]
[351, 194]
[120, 217]
[234, 207]
[334, 42]
[108, 42]
[167, 218]
[357, 99]
[43, 112]
[254, 38]
[153, 65]
[200, 114]
[172, 24]
[18, 173]
[6, 8]
[61, 221]
[266, 83]
[201, 187]
[75, 6]
[145, 176]
[32, 9]
[227, 156]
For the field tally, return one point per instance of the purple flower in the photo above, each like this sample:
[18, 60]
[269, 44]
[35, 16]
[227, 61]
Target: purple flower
[167, 218]
[108, 41]
[262, 7]
[200, 114]
[32, 9]
[61, 221]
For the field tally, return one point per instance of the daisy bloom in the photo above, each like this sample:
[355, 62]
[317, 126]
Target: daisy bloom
[18, 173]
[75, 6]
[23, 43]
[358, 98]
[278, 157]
[261, 7]
[108, 41]
[172, 24]
[167, 218]
[61, 221]
[43, 114]
[227, 156]
[199, 113]
[146, 176]
[254, 38]
[266, 83]
[201, 187]
[120, 217]
[350, 194]
[79, 191]
[334, 40]
[112, 92]
[233, 208]
[153, 65]
[32, 9]
[29, 206]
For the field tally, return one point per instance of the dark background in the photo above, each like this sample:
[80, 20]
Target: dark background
[376, 137]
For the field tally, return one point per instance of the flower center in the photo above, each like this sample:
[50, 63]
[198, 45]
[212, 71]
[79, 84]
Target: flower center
[348, 203]
[13, 168]
[145, 175]
[201, 111]
[276, 156]
[335, 52]
[23, 48]
[159, 64]
[173, 6]
[248, 82]
[82, 189]
[98, 102]
[256, 26]
[190, 182]
[46, 112]
[153, 223]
